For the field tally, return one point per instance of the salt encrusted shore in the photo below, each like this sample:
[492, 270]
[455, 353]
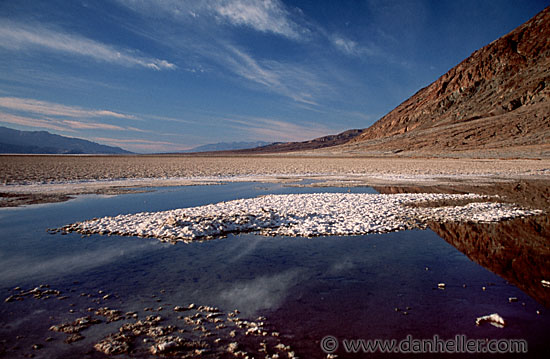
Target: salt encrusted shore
[303, 215]
[42, 179]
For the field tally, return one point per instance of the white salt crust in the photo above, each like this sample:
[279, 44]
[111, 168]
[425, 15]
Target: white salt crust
[301, 215]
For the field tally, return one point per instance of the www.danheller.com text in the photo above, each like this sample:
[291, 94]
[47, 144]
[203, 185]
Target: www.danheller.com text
[459, 344]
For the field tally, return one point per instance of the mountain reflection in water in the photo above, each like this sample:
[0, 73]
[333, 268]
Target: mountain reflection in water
[517, 250]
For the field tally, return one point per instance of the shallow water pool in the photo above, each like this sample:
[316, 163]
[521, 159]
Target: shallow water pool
[376, 286]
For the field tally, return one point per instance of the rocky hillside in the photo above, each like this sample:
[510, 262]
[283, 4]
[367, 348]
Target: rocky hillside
[499, 97]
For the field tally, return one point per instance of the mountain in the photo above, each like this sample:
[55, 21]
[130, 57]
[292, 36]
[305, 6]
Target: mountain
[14, 141]
[317, 143]
[227, 146]
[498, 98]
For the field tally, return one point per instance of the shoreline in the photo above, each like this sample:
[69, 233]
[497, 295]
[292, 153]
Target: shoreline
[32, 179]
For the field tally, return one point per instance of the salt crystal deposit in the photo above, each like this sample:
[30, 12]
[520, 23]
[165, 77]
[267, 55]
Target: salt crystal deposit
[494, 319]
[302, 215]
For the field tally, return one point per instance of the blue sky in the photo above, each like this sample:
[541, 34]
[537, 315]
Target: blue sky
[168, 75]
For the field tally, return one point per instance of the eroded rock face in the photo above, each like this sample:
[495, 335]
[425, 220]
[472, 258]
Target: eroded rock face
[499, 96]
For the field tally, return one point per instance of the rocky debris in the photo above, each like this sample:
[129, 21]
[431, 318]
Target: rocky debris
[208, 309]
[545, 283]
[494, 319]
[207, 332]
[112, 315]
[114, 344]
[76, 326]
[176, 345]
[304, 215]
[131, 315]
[164, 347]
[41, 292]
[73, 338]
[177, 308]
[232, 347]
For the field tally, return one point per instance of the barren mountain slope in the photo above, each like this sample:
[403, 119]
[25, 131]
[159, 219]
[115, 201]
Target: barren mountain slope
[499, 97]
[284, 147]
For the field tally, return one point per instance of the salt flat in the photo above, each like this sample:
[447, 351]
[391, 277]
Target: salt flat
[28, 169]
[43, 178]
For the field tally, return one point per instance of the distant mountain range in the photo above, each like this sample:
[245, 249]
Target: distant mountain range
[316, 143]
[227, 146]
[259, 147]
[43, 142]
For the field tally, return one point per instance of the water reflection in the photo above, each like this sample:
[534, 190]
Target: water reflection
[307, 288]
[517, 250]
[261, 293]
[22, 267]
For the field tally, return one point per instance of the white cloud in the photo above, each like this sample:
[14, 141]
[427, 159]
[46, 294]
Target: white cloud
[269, 16]
[32, 122]
[57, 124]
[54, 109]
[16, 36]
[261, 15]
[350, 47]
[266, 292]
[289, 80]
[345, 45]
[90, 125]
[17, 268]
[54, 116]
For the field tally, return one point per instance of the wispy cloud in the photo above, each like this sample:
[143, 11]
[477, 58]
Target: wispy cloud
[54, 116]
[275, 130]
[20, 267]
[139, 145]
[91, 125]
[57, 124]
[265, 292]
[75, 121]
[33, 122]
[350, 47]
[212, 42]
[288, 80]
[54, 109]
[268, 16]
[261, 15]
[16, 36]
